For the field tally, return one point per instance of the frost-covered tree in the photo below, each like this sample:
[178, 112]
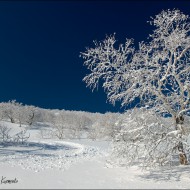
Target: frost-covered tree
[10, 110]
[17, 112]
[63, 125]
[29, 114]
[157, 72]
[25, 114]
[80, 123]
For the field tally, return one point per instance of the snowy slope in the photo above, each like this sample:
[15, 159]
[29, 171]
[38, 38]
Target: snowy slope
[50, 163]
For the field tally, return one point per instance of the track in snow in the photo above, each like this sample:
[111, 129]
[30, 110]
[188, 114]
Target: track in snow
[40, 155]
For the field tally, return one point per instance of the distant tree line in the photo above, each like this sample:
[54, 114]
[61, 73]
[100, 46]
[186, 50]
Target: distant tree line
[61, 124]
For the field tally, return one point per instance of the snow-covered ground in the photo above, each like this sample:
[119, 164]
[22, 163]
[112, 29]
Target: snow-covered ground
[51, 163]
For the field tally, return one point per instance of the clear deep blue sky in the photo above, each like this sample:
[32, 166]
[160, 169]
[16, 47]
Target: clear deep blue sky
[40, 43]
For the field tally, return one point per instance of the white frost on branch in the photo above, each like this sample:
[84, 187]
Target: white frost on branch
[157, 72]
[151, 141]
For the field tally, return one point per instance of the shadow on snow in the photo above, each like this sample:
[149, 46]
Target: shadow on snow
[33, 148]
[166, 174]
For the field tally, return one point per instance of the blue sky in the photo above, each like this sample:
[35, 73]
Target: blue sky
[40, 43]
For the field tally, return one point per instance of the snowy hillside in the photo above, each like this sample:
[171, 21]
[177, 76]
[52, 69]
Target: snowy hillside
[52, 163]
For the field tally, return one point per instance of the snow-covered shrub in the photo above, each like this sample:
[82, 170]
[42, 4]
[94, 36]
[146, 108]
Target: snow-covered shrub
[147, 138]
[46, 133]
[70, 124]
[95, 132]
[62, 125]
[4, 134]
[104, 127]
[6, 137]
[21, 137]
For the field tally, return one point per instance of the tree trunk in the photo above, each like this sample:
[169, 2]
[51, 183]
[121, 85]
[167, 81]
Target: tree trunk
[12, 120]
[182, 155]
[31, 119]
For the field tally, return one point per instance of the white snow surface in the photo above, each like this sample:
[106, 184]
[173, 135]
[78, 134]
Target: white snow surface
[77, 164]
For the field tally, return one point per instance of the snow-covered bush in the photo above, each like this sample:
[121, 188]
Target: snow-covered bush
[95, 131]
[148, 138]
[47, 134]
[68, 124]
[21, 137]
[63, 124]
[104, 127]
[7, 137]
[4, 134]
